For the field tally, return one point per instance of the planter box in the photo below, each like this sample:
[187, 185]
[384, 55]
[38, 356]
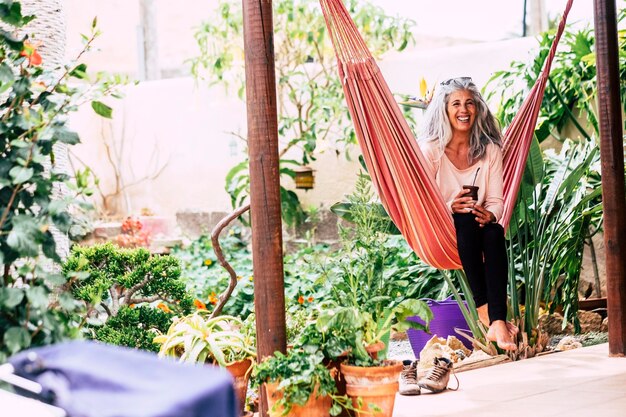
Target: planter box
[446, 317]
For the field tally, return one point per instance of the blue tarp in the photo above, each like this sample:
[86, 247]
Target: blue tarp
[89, 379]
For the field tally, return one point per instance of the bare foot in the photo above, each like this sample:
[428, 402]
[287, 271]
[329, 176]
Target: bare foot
[499, 333]
[483, 314]
[513, 330]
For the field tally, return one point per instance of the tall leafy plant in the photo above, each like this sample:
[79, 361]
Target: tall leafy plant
[35, 102]
[556, 204]
[312, 115]
[365, 274]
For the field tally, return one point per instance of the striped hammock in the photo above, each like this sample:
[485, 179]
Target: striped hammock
[392, 156]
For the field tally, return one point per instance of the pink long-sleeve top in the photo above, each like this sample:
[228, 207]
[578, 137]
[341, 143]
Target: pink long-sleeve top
[451, 180]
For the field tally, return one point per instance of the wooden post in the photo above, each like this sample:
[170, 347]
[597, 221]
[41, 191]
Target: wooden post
[612, 154]
[265, 208]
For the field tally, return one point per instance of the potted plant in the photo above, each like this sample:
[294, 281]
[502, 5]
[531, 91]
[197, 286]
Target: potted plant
[223, 340]
[298, 384]
[373, 303]
[348, 335]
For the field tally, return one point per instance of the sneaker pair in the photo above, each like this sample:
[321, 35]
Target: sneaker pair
[436, 380]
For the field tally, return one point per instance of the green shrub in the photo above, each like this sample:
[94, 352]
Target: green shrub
[128, 293]
[134, 327]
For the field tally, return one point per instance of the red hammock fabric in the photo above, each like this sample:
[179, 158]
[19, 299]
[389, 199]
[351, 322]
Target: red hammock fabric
[392, 155]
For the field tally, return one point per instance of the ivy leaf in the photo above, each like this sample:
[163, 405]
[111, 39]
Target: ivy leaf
[49, 247]
[25, 236]
[38, 297]
[102, 109]
[11, 13]
[16, 338]
[11, 297]
[57, 206]
[15, 43]
[63, 221]
[21, 174]
[66, 136]
[56, 279]
[66, 301]
[6, 77]
[79, 71]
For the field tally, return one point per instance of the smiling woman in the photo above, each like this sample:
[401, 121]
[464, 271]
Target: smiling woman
[461, 142]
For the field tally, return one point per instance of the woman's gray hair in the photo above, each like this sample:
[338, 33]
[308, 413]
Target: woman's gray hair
[436, 124]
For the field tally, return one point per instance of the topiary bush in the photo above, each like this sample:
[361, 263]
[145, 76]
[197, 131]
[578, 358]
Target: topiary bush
[134, 327]
[129, 294]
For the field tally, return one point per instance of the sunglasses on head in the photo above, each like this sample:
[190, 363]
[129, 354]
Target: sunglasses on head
[456, 79]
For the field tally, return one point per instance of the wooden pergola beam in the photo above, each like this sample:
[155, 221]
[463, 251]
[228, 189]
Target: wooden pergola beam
[612, 155]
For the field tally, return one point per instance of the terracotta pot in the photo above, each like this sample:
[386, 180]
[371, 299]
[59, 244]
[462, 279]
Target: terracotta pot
[314, 407]
[375, 385]
[241, 373]
[374, 348]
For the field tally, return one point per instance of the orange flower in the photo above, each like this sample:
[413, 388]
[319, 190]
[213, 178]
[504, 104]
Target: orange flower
[301, 300]
[132, 306]
[30, 52]
[164, 308]
[213, 298]
[310, 299]
[199, 304]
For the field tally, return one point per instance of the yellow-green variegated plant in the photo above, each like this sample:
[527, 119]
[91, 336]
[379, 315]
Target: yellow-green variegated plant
[222, 340]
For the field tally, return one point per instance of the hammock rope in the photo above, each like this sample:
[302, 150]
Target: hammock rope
[393, 158]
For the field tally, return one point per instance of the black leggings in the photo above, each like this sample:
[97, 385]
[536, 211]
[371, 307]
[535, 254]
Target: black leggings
[483, 256]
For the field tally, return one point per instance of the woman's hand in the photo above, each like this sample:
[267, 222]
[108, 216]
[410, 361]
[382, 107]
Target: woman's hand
[483, 216]
[462, 204]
